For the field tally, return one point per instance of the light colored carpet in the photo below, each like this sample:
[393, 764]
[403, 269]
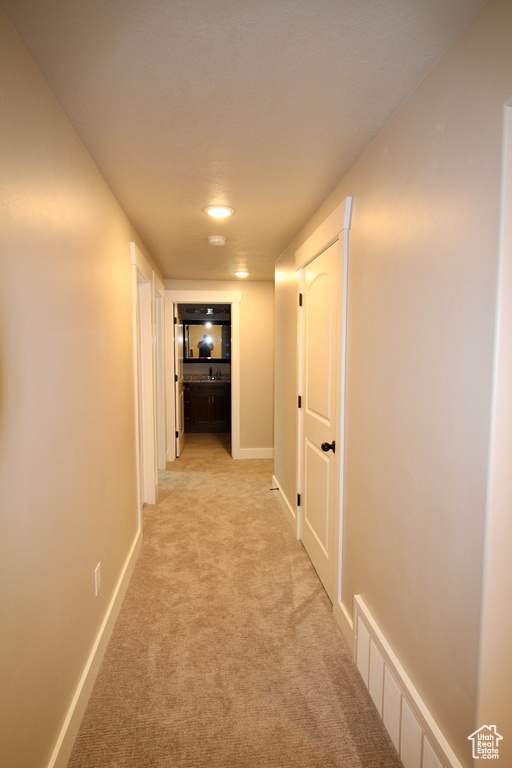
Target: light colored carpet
[225, 652]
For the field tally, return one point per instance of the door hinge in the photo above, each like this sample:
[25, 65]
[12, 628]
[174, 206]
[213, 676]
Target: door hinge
[177, 434]
[298, 499]
[175, 377]
[300, 401]
[300, 299]
[175, 321]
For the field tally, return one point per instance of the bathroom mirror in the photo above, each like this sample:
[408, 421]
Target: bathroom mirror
[205, 340]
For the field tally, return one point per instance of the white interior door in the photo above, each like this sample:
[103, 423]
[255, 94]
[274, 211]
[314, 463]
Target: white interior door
[178, 368]
[319, 355]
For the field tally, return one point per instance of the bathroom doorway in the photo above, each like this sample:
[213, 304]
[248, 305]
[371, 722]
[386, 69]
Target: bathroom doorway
[198, 299]
[206, 350]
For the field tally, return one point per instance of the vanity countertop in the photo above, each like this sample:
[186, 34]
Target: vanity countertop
[201, 377]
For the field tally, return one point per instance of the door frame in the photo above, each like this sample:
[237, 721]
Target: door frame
[178, 296]
[145, 367]
[159, 335]
[335, 228]
[179, 411]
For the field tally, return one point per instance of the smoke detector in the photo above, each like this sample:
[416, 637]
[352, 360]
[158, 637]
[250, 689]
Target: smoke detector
[217, 240]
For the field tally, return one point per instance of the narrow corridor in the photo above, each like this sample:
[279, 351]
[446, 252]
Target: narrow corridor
[226, 653]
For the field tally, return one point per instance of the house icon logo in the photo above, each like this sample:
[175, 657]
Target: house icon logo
[485, 743]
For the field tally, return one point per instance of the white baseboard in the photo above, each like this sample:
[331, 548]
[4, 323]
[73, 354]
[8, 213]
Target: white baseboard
[417, 738]
[69, 730]
[253, 453]
[290, 512]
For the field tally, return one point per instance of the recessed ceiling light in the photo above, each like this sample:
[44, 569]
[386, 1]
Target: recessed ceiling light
[241, 274]
[219, 211]
[217, 240]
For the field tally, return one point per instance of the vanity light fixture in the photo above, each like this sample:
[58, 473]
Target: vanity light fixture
[241, 274]
[217, 240]
[219, 211]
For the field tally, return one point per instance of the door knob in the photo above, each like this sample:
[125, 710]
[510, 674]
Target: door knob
[329, 447]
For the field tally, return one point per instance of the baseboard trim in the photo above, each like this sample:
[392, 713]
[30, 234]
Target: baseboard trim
[253, 453]
[290, 512]
[69, 730]
[417, 738]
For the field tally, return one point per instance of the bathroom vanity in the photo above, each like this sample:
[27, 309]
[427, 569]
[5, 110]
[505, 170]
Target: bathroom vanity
[207, 406]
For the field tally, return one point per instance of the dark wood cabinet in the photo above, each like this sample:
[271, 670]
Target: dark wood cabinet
[207, 406]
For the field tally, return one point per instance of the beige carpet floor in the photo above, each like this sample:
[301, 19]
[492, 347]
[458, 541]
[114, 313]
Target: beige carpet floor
[225, 652]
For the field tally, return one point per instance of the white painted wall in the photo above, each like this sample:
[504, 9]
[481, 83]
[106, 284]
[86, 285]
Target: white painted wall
[67, 411]
[423, 256]
[495, 699]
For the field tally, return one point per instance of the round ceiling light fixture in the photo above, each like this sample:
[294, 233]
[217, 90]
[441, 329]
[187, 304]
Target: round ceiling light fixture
[219, 211]
[217, 240]
[241, 274]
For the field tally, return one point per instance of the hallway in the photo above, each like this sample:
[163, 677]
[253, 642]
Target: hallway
[225, 653]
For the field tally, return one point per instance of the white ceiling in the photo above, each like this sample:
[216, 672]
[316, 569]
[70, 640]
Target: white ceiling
[262, 105]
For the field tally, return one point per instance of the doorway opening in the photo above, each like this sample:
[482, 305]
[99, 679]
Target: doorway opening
[175, 298]
[206, 365]
[148, 340]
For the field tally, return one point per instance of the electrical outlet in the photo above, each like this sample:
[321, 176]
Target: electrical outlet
[97, 579]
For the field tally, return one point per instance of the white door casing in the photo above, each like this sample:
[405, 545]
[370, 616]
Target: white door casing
[325, 528]
[145, 389]
[178, 381]
[160, 373]
[146, 379]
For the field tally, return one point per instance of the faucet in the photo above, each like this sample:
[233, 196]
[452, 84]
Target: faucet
[211, 373]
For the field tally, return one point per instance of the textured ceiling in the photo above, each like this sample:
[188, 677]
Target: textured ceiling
[261, 105]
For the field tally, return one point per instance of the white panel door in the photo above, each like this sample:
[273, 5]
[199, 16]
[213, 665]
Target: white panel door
[319, 354]
[178, 368]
